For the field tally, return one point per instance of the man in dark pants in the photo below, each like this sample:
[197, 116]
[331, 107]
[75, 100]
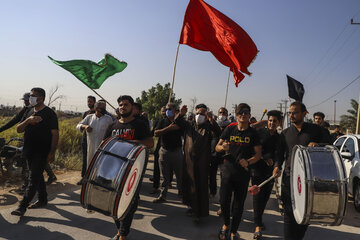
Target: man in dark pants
[241, 144]
[132, 129]
[170, 153]
[91, 105]
[299, 133]
[263, 169]
[40, 142]
[156, 173]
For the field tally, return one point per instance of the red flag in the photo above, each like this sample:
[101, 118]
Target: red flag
[207, 29]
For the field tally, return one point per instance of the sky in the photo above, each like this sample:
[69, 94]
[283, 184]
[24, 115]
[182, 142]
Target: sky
[312, 41]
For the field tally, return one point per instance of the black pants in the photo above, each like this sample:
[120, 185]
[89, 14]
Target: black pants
[124, 225]
[292, 230]
[156, 173]
[84, 157]
[48, 170]
[233, 181]
[260, 200]
[36, 180]
[214, 163]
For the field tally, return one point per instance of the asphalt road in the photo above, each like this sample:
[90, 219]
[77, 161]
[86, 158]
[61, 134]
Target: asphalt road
[64, 219]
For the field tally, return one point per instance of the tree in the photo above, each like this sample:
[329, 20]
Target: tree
[52, 98]
[193, 104]
[155, 98]
[349, 121]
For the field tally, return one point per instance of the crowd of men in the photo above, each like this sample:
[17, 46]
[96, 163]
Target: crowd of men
[191, 146]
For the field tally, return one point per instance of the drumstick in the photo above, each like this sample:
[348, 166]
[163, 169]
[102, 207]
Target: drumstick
[264, 111]
[256, 189]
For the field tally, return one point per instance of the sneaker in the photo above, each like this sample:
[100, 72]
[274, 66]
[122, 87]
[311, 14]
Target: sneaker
[159, 200]
[116, 237]
[51, 179]
[38, 204]
[20, 211]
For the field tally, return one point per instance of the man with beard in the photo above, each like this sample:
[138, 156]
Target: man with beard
[170, 153]
[263, 169]
[299, 133]
[91, 105]
[197, 150]
[135, 130]
[242, 147]
[94, 125]
[319, 120]
[40, 142]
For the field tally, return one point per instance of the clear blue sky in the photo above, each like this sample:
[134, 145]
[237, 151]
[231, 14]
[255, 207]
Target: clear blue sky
[292, 36]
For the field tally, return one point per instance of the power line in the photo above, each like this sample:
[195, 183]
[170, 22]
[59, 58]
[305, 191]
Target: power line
[357, 78]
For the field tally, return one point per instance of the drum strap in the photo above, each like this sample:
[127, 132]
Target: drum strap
[114, 155]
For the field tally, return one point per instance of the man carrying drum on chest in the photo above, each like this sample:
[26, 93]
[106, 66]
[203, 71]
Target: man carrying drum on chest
[299, 133]
[134, 130]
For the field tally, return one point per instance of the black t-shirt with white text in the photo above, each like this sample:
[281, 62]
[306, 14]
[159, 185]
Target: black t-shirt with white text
[133, 130]
[38, 137]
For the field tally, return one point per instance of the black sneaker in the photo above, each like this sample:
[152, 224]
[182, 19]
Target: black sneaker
[51, 179]
[20, 211]
[38, 204]
[116, 237]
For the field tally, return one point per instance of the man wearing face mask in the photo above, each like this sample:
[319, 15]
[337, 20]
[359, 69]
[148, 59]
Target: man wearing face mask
[170, 153]
[91, 105]
[197, 150]
[94, 125]
[40, 142]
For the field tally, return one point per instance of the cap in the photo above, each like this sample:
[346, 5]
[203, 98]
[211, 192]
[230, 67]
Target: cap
[26, 96]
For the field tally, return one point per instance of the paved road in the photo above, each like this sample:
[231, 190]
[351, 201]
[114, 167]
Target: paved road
[65, 219]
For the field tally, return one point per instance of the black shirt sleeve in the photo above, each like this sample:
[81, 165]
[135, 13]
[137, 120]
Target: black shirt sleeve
[54, 124]
[280, 151]
[14, 120]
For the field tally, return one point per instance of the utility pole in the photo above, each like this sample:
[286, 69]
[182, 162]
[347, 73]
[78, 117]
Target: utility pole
[280, 107]
[286, 117]
[357, 131]
[334, 111]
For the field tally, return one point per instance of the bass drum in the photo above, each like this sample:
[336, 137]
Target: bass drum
[318, 185]
[114, 177]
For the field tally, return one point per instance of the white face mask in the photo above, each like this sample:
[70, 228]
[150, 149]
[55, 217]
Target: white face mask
[199, 119]
[33, 101]
[222, 118]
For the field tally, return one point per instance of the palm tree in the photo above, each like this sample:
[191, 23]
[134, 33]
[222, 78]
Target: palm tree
[349, 121]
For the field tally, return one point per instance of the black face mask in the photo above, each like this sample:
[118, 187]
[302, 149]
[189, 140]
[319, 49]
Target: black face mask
[126, 114]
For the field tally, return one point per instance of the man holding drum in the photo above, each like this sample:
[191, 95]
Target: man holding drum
[299, 133]
[134, 130]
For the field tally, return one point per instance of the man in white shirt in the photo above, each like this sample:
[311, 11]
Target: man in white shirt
[95, 126]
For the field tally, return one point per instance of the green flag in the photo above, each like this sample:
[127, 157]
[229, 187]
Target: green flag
[93, 74]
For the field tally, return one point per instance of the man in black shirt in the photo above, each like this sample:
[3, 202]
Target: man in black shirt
[170, 153]
[263, 169]
[299, 133]
[242, 145]
[336, 134]
[91, 105]
[40, 142]
[319, 120]
[135, 130]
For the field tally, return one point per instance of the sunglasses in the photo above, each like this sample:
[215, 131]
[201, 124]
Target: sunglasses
[241, 112]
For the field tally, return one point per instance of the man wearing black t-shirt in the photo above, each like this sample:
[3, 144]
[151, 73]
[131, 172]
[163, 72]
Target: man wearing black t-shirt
[299, 133]
[242, 146]
[319, 120]
[135, 130]
[170, 153]
[40, 142]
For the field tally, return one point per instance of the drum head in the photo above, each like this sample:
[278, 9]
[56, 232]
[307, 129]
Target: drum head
[132, 183]
[298, 185]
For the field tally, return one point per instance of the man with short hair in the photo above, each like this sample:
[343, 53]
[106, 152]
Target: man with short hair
[132, 129]
[336, 134]
[91, 105]
[197, 151]
[40, 142]
[299, 133]
[319, 119]
[94, 125]
[242, 147]
[170, 153]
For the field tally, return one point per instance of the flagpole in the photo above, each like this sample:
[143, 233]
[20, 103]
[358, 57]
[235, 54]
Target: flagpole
[173, 79]
[227, 89]
[103, 99]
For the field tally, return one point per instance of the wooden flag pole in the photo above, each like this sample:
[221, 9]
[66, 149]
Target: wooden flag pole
[103, 99]
[173, 79]
[227, 89]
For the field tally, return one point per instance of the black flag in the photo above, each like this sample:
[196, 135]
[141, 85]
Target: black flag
[296, 89]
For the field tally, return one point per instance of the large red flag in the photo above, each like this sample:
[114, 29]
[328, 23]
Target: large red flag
[207, 29]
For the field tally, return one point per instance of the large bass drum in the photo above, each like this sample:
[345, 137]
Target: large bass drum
[114, 177]
[318, 185]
